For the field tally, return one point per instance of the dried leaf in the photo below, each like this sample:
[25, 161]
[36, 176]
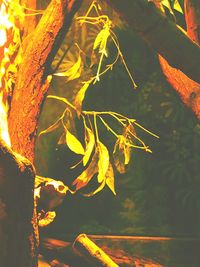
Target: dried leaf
[110, 181]
[103, 162]
[80, 97]
[118, 155]
[73, 143]
[96, 191]
[90, 142]
[84, 178]
[73, 72]
[51, 128]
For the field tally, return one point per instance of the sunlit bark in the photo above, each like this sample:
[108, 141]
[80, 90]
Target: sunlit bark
[32, 83]
[18, 220]
[192, 16]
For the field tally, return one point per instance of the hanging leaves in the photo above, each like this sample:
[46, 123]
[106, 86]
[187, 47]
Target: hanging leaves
[103, 162]
[51, 128]
[90, 142]
[84, 178]
[72, 73]
[80, 97]
[73, 143]
[121, 154]
[101, 40]
[110, 181]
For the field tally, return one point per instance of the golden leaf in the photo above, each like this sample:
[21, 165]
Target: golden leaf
[80, 97]
[110, 181]
[90, 142]
[103, 162]
[73, 143]
[177, 6]
[96, 191]
[101, 40]
[51, 128]
[119, 155]
[84, 178]
[73, 72]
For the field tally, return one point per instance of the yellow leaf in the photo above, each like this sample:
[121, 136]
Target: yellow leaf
[101, 40]
[74, 144]
[73, 72]
[90, 142]
[96, 191]
[177, 6]
[110, 181]
[120, 155]
[80, 97]
[51, 128]
[84, 178]
[103, 162]
[166, 3]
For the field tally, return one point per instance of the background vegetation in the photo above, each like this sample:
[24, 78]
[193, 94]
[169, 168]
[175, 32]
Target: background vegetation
[159, 193]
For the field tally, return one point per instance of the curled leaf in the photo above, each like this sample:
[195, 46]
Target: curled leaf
[73, 143]
[90, 142]
[51, 128]
[84, 178]
[96, 191]
[80, 97]
[73, 72]
[103, 162]
[121, 154]
[110, 181]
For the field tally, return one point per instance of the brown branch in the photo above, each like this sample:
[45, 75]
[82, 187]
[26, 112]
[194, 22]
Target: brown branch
[161, 34]
[33, 71]
[188, 90]
[192, 17]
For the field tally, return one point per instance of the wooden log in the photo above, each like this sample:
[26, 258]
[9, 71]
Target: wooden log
[86, 248]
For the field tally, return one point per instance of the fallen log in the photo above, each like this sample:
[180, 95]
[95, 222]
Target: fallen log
[63, 251]
[86, 248]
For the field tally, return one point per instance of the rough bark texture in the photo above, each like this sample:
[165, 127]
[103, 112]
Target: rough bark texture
[188, 89]
[18, 220]
[32, 82]
[192, 16]
[18, 239]
[161, 34]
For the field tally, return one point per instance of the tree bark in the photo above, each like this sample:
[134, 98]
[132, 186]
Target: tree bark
[17, 228]
[18, 219]
[188, 89]
[192, 17]
[161, 34]
[32, 82]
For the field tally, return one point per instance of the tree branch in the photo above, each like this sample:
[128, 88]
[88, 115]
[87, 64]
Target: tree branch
[32, 83]
[161, 34]
[192, 17]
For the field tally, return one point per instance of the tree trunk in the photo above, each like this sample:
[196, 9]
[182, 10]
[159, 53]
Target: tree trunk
[18, 219]
[18, 238]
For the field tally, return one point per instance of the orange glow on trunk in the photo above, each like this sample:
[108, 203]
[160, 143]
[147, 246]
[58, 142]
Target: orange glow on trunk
[5, 25]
